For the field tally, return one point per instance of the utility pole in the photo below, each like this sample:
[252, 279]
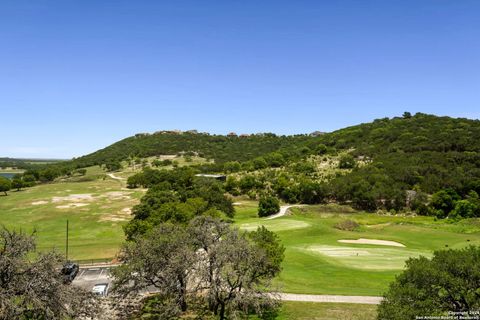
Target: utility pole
[66, 247]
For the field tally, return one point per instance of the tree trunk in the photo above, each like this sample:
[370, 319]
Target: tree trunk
[222, 311]
[183, 292]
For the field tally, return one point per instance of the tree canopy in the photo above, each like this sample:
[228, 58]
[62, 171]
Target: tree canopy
[433, 287]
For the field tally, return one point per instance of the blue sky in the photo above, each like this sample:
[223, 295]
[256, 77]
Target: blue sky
[76, 76]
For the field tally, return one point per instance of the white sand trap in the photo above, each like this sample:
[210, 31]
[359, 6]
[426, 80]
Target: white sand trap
[37, 203]
[72, 205]
[237, 203]
[373, 241]
[74, 198]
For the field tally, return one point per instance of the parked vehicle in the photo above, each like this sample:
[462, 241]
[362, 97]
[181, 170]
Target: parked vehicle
[69, 271]
[100, 289]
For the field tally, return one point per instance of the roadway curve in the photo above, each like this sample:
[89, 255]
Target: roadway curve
[283, 211]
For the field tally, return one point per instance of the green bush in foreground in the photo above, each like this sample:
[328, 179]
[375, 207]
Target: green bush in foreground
[268, 205]
[5, 185]
[449, 282]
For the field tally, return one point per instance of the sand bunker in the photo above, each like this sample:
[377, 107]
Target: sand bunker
[72, 205]
[74, 198]
[373, 241]
[37, 203]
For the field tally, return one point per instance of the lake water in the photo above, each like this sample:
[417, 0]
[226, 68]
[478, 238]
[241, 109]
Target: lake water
[7, 175]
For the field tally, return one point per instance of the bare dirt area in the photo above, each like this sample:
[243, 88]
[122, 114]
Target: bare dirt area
[122, 215]
[72, 205]
[38, 203]
[74, 198]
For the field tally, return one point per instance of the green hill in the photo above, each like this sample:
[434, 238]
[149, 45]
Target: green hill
[422, 151]
[375, 162]
[218, 147]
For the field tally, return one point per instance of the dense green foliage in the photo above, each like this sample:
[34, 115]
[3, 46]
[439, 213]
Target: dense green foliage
[381, 161]
[267, 206]
[426, 151]
[5, 185]
[176, 196]
[220, 148]
[446, 283]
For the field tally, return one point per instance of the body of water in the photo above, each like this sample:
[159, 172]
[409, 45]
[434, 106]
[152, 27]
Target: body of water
[7, 175]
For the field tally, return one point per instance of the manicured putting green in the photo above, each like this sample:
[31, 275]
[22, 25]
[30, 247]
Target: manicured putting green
[317, 262]
[275, 225]
[366, 258]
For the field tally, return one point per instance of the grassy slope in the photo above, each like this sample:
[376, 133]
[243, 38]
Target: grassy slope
[326, 311]
[95, 229]
[93, 233]
[311, 230]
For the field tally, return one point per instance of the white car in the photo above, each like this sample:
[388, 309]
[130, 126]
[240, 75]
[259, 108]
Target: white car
[100, 289]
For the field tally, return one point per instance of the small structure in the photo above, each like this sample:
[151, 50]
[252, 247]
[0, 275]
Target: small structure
[219, 177]
[231, 134]
[317, 133]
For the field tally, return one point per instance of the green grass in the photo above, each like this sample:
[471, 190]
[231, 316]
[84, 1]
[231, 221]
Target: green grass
[95, 225]
[316, 263]
[326, 311]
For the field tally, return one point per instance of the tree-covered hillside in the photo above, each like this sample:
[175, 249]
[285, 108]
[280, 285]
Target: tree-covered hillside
[371, 166]
[217, 147]
[422, 151]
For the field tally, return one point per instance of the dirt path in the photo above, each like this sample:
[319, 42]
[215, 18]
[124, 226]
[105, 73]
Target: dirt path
[283, 211]
[330, 298]
[111, 175]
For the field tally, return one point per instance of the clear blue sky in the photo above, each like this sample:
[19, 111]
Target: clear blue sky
[76, 76]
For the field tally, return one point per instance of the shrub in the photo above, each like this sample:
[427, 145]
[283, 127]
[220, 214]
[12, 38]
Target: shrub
[447, 282]
[346, 162]
[268, 205]
[347, 225]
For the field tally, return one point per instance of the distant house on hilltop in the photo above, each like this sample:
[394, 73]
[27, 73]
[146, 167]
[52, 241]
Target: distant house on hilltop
[231, 134]
[316, 133]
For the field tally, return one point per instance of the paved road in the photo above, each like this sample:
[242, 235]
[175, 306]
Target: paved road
[89, 276]
[283, 211]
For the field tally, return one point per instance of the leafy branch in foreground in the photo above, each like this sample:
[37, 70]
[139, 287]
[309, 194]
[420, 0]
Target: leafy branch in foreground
[433, 287]
[33, 288]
